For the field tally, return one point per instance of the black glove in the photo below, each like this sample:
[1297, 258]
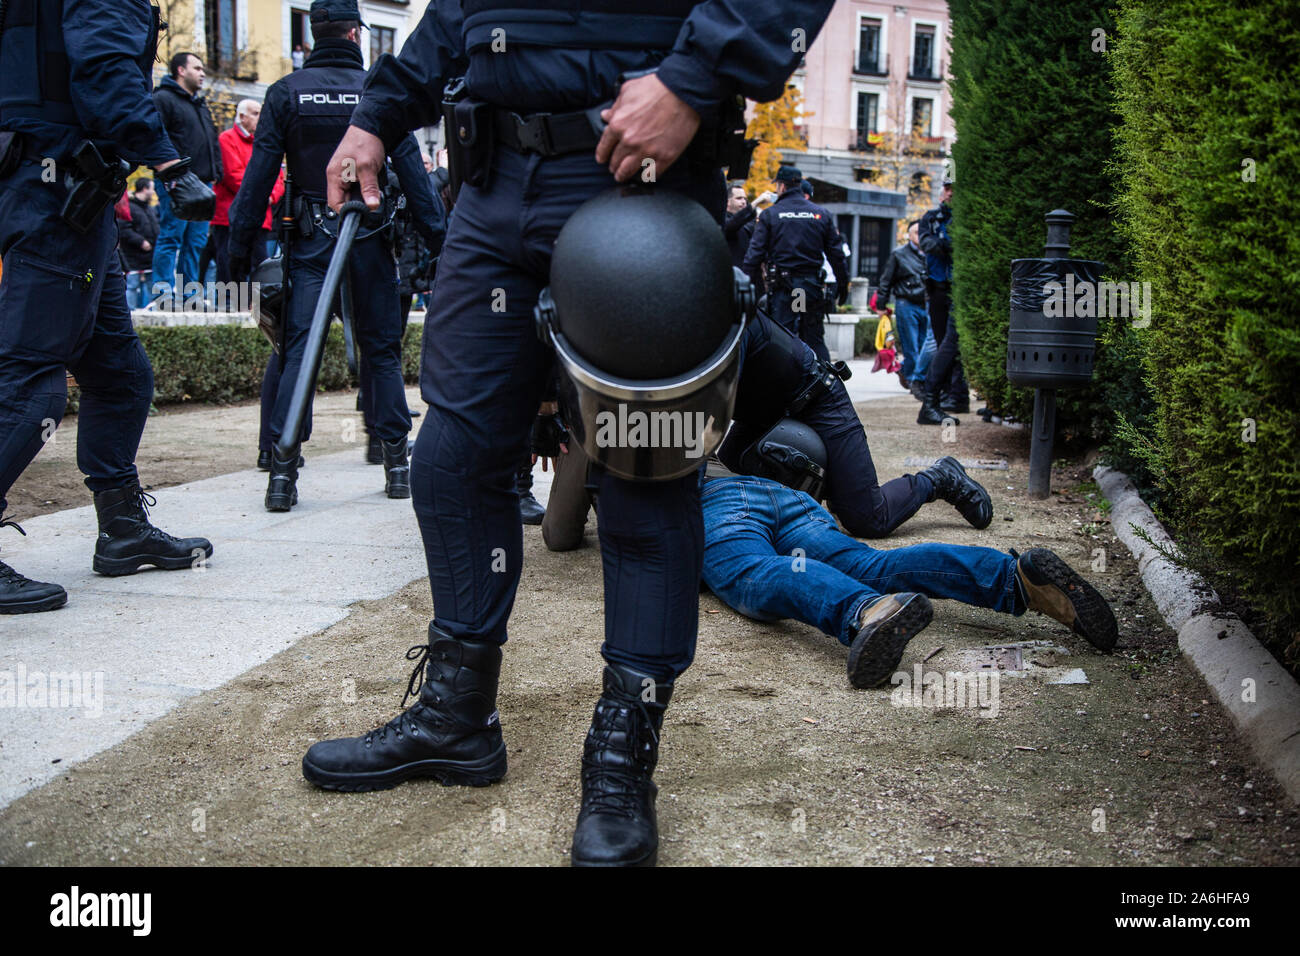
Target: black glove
[191, 199]
[548, 434]
[842, 295]
[241, 266]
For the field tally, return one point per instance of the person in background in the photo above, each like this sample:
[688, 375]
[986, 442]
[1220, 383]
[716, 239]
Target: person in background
[137, 239]
[236, 146]
[298, 57]
[739, 227]
[189, 126]
[903, 279]
[945, 373]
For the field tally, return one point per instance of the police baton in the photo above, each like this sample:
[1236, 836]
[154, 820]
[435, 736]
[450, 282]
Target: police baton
[350, 221]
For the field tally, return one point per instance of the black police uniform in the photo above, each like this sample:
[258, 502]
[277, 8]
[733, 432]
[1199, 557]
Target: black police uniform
[484, 370]
[304, 116]
[791, 237]
[78, 71]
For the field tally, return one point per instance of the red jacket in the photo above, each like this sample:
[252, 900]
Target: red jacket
[236, 149]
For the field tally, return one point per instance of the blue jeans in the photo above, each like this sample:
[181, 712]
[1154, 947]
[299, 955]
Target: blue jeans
[912, 324]
[137, 289]
[178, 247]
[773, 553]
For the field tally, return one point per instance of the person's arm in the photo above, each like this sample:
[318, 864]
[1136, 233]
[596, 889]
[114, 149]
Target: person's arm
[109, 91]
[757, 252]
[740, 46]
[834, 250]
[232, 168]
[884, 290]
[734, 224]
[129, 235]
[414, 182]
[404, 92]
[248, 211]
[933, 241]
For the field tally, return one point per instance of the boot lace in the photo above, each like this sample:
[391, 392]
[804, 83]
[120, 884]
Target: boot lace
[618, 789]
[147, 501]
[7, 573]
[422, 654]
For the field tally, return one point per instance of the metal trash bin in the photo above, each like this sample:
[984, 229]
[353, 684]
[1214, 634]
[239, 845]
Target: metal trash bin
[1051, 350]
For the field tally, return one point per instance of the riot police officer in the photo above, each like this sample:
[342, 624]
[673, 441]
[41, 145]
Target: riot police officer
[75, 117]
[303, 118]
[790, 240]
[539, 81]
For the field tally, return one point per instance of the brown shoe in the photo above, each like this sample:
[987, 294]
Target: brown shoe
[884, 628]
[1052, 587]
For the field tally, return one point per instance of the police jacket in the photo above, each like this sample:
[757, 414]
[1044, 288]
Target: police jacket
[564, 55]
[132, 236]
[189, 124]
[792, 235]
[304, 116]
[739, 230]
[81, 69]
[904, 275]
[936, 243]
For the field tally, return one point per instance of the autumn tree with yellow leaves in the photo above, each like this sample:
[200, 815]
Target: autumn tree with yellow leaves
[775, 127]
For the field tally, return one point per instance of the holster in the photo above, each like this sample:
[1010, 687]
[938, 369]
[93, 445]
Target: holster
[470, 138]
[11, 152]
[93, 186]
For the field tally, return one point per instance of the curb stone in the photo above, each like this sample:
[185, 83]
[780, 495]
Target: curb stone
[1262, 697]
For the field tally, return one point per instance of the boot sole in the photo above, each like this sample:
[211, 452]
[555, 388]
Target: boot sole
[476, 773]
[874, 657]
[399, 493]
[51, 603]
[277, 503]
[117, 567]
[1094, 621]
[649, 860]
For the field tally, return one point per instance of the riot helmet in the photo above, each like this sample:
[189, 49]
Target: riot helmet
[645, 314]
[789, 452]
[268, 300]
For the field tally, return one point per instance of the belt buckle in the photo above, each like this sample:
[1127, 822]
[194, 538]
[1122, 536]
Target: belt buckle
[534, 132]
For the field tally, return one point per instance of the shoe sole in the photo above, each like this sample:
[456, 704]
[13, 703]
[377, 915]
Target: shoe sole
[51, 603]
[118, 567]
[1093, 619]
[477, 773]
[278, 504]
[400, 493]
[874, 657]
[649, 860]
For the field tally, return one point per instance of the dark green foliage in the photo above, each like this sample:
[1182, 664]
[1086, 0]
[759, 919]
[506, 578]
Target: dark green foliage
[224, 363]
[1209, 151]
[1033, 110]
[864, 335]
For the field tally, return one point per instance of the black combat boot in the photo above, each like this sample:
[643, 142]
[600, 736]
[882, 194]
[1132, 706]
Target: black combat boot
[127, 541]
[22, 595]
[263, 460]
[931, 413]
[955, 403]
[530, 509]
[885, 626]
[1050, 586]
[451, 733]
[282, 486]
[397, 469]
[616, 825]
[374, 449]
[953, 485]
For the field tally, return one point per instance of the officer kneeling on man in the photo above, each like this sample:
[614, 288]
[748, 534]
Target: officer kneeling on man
[304, 116]
[75, 117]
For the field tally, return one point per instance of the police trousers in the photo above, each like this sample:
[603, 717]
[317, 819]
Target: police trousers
[483, 374]
[378, 319]
[63, 308]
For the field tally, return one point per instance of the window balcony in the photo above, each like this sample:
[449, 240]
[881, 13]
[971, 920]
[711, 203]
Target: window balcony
[924, 70]
[867, 65]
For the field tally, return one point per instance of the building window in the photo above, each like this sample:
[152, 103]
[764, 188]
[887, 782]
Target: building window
[299, 29]
[868, 117]
[922, 115]
[381, 41]
[221, 30]
[868, 45]
[923, 52]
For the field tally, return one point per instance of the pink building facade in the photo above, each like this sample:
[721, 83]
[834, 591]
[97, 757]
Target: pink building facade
[876, 68]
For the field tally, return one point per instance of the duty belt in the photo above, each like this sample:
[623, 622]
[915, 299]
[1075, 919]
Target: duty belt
[549, 134]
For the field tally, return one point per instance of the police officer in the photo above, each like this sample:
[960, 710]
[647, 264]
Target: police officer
[303, 118]
[75, 117]
[536, 76]
[791, 239]
[945, 367]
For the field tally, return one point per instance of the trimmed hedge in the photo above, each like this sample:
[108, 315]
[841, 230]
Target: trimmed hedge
[1209, 151]
[1032, 107]
[224, 363]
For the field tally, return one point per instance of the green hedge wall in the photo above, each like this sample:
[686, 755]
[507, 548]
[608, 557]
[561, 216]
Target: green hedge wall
[224, 363]
[1209, 151]
[1033, 112]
